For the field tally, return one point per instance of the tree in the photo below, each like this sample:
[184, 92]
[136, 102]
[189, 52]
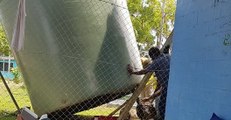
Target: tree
[149, 16]
[4, 46]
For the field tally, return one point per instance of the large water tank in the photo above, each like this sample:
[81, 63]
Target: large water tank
[75, 52]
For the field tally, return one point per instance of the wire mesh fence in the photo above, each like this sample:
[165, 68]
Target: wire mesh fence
[74, 59]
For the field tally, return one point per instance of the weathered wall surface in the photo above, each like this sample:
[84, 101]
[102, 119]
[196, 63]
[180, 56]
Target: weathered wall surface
[200, 78]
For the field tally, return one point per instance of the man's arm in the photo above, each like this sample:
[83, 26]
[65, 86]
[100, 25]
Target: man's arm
[141, 72]
[157, 91]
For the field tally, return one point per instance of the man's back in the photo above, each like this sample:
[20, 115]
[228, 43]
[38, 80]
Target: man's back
[161, 67]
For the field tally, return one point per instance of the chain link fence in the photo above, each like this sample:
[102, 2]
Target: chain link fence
[74, 58]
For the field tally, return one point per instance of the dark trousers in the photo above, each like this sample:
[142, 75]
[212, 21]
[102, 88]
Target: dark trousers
[162, 105]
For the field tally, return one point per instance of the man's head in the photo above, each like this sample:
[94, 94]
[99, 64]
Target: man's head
[154, 52]
[166, 49]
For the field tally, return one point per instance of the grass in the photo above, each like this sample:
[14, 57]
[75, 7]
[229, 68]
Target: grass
[8, 117]
[103, 110]
[7, 108]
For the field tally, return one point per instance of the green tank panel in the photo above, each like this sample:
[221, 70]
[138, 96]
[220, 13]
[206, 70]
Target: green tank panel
[74, 50]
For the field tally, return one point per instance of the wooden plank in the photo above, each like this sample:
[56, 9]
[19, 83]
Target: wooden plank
[116, 110]
[133, 98]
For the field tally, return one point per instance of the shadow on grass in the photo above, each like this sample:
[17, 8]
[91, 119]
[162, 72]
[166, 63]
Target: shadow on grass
[7, 116]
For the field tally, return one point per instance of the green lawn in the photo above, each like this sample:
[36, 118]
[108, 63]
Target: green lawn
[102, 110]
[7, 107]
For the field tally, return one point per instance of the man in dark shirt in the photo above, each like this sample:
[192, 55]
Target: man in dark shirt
[160, 65]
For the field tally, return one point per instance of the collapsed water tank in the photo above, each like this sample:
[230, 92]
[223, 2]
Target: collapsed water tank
[75, 52]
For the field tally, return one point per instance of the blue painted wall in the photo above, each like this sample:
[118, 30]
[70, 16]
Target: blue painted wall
[200, 76]
[7, 74]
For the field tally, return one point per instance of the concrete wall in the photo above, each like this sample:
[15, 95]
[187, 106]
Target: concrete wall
[200, 77]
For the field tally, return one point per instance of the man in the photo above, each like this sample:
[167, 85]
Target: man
[166, 49]
[160, 65]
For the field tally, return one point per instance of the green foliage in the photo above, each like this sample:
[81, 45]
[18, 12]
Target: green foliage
[4, 46]
[17, 76]
[151, 15]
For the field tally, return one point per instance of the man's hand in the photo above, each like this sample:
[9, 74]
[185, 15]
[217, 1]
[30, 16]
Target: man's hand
[129, 68]
[19, 117]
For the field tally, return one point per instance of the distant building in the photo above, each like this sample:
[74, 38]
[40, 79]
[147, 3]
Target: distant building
[6, 64]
